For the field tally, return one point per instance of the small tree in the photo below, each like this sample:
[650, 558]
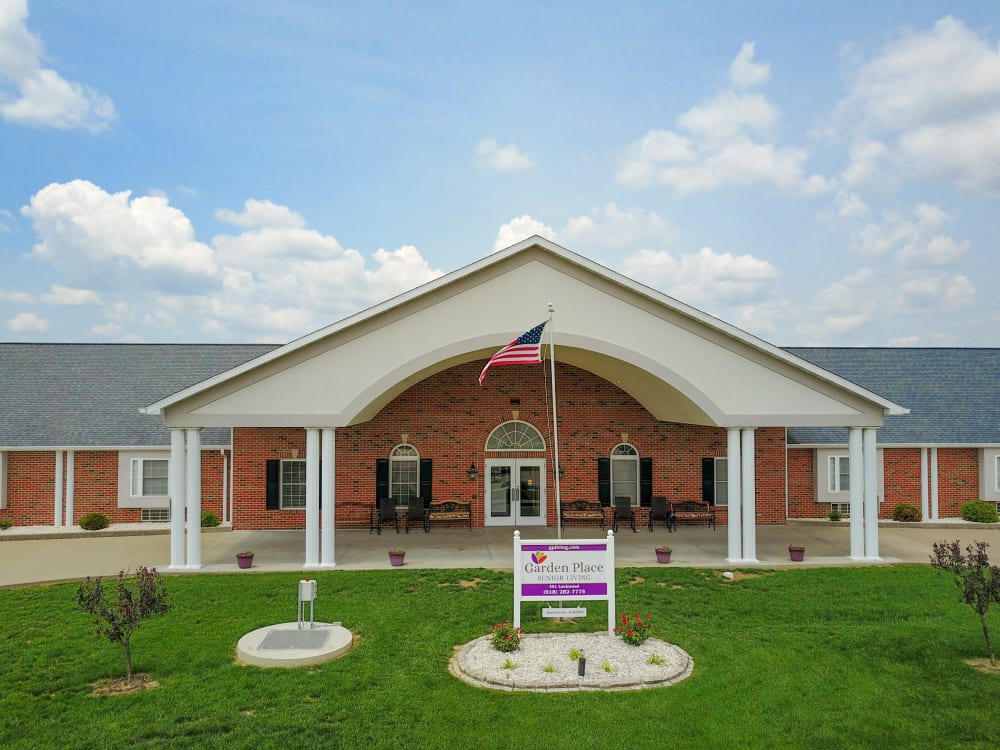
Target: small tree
[978, 581]
[120, 613]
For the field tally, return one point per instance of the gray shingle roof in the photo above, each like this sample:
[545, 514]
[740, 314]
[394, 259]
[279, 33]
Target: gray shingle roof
[88, 395]
[953, 394]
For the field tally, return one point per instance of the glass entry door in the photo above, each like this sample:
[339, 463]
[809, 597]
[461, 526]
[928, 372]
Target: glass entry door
[515, 492]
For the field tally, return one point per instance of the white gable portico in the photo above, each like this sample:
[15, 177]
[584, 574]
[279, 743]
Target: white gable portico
[680, 364]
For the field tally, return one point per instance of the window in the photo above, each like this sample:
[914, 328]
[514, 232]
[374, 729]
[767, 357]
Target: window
[722, 482]
[404, 474]
[840, 473]
[149, 477]
[996, 474]
[293, 483]
[625, 472]
[154, 514]
[844, 508]
[515, 436]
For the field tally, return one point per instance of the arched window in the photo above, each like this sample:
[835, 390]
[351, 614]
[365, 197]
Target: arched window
[625, 472]
[404, 474]
[515, 436]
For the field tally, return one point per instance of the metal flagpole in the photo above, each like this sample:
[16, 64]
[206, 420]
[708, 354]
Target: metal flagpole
[555, 424]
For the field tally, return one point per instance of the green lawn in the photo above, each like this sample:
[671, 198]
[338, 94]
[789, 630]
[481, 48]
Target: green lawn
[811, 658]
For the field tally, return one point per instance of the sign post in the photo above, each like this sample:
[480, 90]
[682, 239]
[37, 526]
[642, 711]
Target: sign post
[578, 570]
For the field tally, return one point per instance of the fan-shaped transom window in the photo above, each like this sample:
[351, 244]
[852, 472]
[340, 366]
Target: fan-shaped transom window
[404, 474]
[625, 473]
[515, 436]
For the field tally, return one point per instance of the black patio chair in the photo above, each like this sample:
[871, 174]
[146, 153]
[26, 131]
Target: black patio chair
[416, 513]
[659, 510]
[624, 512]
[386, 513]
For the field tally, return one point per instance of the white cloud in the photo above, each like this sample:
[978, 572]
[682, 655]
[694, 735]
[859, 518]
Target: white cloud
[275, 280]
[849, 205]
[7, 295]
[258, 213]
[704, 278]
[728, 146]
[64, 295]
[613, 227]
[110, 239]
[937, 93]
[913, 242]
[744, 72]
[27, 323]
[502, 158]
[866, 157]
[521, 228]
[43, 98]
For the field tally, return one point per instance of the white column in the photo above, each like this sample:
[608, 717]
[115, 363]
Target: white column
[735, 497]
[57, 511]
[70, 479]
[924, 494]
[934, 484]
[748, 481]
[227, 517]
[328, 477]
[175, 487]
[855, 456]
[871, 493]
[312, 497]
[193, 485]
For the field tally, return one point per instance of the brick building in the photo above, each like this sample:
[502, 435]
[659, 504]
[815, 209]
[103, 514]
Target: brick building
[653, 398]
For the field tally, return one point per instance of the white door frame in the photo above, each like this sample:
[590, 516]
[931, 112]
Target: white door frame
[515, 518]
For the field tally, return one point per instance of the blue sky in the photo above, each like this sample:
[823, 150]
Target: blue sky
[198, 171]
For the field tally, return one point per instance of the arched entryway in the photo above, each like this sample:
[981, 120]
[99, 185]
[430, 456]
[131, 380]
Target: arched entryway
[514, 482]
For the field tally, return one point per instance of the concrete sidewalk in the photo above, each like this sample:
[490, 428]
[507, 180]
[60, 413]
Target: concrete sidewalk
[45, 554]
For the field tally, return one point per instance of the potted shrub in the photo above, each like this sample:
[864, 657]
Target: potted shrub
[245, 558]
[796, 553]
[396, 557]
[663, 554]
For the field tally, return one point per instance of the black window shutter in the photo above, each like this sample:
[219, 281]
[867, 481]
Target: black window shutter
[604, 481]
[708, 480]
[273, 474]
[645, 482]
[425, 481]
[381, 478]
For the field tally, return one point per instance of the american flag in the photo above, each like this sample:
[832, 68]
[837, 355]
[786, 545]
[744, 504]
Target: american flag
[526, 349]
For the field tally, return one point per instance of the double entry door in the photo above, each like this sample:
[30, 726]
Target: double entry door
[515, 492]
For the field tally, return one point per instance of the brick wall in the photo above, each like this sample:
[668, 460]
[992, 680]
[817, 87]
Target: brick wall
[448, 417]
[31, 487]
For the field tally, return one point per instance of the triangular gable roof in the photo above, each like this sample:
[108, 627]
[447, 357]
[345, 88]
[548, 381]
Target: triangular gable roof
[681, 363]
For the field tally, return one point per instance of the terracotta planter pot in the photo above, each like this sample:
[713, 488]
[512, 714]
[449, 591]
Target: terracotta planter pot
[662, 557]
[244, 562]
[396, 560]
[796, 554]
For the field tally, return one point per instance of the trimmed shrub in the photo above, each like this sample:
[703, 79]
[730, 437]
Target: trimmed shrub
[5, 523]
[906, 512]
[834, 514]
[209, 519]
[979, 511]
[94, 522]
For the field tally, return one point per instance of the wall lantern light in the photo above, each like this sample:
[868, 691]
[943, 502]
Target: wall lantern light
[473, 474]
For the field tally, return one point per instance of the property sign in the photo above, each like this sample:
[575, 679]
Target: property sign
[580, 569]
